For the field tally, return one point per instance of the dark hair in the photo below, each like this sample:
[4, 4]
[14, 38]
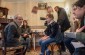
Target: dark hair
[79, 3]
[50, 16]
[57, 7]
[25, 21]
[34, 9]
[49, 7]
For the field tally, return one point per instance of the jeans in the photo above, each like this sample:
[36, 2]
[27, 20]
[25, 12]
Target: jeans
[44, 44]
[25, 42]
[69, 45]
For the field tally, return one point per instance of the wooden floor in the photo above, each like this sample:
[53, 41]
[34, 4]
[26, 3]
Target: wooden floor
[37, 52]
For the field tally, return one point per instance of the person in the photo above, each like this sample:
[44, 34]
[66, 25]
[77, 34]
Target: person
[50, 11]
[12, 33]
[50, 34]
[34, 10]
[63, 22]
[79, 6]
[79, 13]
[25, 32]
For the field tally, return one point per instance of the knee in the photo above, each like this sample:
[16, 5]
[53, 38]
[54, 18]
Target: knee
[43, 43]
[40, 42]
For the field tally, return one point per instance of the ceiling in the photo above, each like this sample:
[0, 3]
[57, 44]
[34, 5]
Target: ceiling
[35, 0]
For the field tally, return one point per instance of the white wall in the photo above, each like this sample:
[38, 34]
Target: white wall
[24, 9]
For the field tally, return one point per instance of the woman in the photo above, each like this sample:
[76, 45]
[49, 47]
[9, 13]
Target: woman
[25, 32]
[50, 34]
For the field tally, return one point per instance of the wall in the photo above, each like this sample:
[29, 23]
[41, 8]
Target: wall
[24, 9]
[0, 2]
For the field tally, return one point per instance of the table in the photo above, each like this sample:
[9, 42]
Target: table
[34, 36]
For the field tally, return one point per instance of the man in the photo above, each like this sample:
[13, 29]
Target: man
[79, 12]
[11, 32]
[50, 34]
[63, 22]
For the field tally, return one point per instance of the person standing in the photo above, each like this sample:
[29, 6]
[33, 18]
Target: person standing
[63, 22]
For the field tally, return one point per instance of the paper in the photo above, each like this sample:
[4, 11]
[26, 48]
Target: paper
[77, 44]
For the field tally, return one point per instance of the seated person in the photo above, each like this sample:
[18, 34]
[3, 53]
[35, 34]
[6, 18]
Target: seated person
[79, 12]
[12, 34]
[50, 34]
[25, 32]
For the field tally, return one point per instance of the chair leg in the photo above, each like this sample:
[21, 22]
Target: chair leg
[3, 51]
[59, 49]
[52, 49]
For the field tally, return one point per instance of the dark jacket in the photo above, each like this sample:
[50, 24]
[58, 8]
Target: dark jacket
[26, 30]
[11, 34]
[63, 20]
[52, 30]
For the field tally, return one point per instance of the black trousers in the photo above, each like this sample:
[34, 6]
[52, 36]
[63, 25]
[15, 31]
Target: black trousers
[63, 46]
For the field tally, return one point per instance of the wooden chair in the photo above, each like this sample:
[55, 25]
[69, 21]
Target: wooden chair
[8, 50]
[52, 46]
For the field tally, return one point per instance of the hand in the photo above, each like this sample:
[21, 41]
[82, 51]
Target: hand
[84, 27]
[45, 37]
[77, 30]
[80, 29]
[25, 35]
